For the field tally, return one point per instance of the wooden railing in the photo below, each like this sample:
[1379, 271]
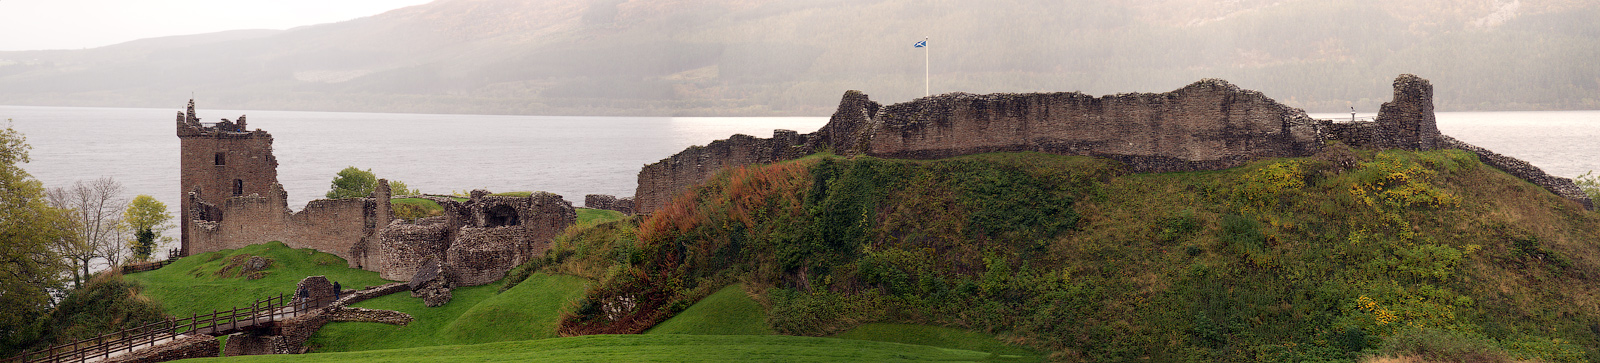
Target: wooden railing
[150, 266]
[218, 322]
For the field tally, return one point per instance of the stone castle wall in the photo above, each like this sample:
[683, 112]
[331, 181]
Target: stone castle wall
[1208, 125]
[335, 226]
[220, 161]
[661, 181]
[609, 202]
[478, 240]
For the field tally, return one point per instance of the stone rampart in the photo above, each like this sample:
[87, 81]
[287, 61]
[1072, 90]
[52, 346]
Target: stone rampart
[1207, 125]
[661, 181]
[478, 240]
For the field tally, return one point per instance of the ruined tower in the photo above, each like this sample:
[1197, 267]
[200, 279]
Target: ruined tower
[220, 160]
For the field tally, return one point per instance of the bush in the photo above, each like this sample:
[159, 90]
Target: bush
[1443, 346]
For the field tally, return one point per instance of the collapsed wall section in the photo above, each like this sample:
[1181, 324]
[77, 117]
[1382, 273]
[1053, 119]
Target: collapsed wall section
[661, 181]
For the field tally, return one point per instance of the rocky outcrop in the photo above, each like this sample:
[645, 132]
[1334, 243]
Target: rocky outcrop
[431, 283]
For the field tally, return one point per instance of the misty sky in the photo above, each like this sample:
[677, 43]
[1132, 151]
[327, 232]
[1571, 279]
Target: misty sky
[75, 24]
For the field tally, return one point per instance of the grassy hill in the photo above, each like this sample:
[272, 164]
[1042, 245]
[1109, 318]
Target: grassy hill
[652, 348]
[1346, 254]
[191, 285]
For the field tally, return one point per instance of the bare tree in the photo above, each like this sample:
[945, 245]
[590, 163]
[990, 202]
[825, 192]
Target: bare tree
[98, 207]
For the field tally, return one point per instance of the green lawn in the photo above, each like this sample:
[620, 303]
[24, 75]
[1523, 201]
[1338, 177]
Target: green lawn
[939, 337]
[207, 281]
[589, 217]
[726, 312]
[474, 315]
[652, 348]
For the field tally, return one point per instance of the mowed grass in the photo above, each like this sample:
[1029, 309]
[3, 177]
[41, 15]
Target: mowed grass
[940, 337]
[652, 348]
[727, 312]
[475, 314]
[200, 283]
[588, 217]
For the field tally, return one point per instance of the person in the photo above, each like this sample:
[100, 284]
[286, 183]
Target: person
[337, 291]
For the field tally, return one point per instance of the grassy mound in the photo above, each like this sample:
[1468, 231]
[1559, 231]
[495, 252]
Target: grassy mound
[218, 280]
[477, 314]
[651, 348]
[727, 312]
[1320, 258]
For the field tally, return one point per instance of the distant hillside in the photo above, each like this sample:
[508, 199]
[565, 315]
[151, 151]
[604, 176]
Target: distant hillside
[1335, 257]
[769, 57]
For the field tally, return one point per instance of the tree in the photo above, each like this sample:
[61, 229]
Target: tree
[97, 207]
[1590, 184]
[357, 183]
[148, 218]
[353, 183]
[29, 227]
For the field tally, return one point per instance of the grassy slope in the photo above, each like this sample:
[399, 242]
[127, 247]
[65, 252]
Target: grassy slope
[641, 348]
[474, 315]
[939, 337]
[194, 285]
[1288, 259]
[727, 312]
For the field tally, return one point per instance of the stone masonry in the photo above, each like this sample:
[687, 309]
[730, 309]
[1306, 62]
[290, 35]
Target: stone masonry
[1207, 125]
[609, 202]
[233, 200]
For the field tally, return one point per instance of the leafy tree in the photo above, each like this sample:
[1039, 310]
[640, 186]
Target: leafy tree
[353, 183]
[357, 183]
[29, 268]
[1590, 184]
[97, 208]
[148, 218]
[397, 187]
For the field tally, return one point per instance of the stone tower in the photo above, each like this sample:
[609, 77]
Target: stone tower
[220, 160]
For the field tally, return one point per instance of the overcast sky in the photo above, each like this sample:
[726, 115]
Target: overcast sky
[75, 24]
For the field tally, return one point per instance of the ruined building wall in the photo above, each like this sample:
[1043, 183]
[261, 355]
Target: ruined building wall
[336, 226]
[1208, 125]
[478, 240]
[219, 161]
[661, 181]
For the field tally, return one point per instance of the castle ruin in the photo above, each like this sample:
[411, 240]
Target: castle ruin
[1207, 125]
[232, 199]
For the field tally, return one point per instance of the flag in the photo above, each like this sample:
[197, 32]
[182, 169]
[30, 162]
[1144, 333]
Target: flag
[921, 44]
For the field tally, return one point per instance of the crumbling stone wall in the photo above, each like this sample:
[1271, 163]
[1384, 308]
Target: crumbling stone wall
[1208, 125]
[338, 226]
[184, 347]
[609, 202]
[663, 180]
[478, 240]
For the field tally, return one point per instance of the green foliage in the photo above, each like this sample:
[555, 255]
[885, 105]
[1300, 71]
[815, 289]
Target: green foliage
[1443, 346]
[106, 303]
[1590, 184]
[1314, 259]
[148, 218]
[729, 311]
[412, 209]
[352, 183]
[29, 227]
[648, 348]
[356, 183]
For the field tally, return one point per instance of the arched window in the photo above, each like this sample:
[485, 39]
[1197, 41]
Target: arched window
[221, 159]
[238, 187]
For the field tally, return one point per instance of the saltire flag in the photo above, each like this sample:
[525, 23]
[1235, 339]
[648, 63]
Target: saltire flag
[921, 44]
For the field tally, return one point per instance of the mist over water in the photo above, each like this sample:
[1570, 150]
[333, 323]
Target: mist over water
[571, 156]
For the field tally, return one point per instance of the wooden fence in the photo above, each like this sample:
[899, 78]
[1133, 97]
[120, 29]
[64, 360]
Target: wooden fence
[218, 322]
[150, 266]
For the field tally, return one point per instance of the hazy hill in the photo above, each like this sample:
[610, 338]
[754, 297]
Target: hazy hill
[783, 57]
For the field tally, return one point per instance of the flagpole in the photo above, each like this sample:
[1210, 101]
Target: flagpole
[927, 72]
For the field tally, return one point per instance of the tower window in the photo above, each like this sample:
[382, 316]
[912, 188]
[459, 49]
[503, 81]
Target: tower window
[238, 187]
[221, 159]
